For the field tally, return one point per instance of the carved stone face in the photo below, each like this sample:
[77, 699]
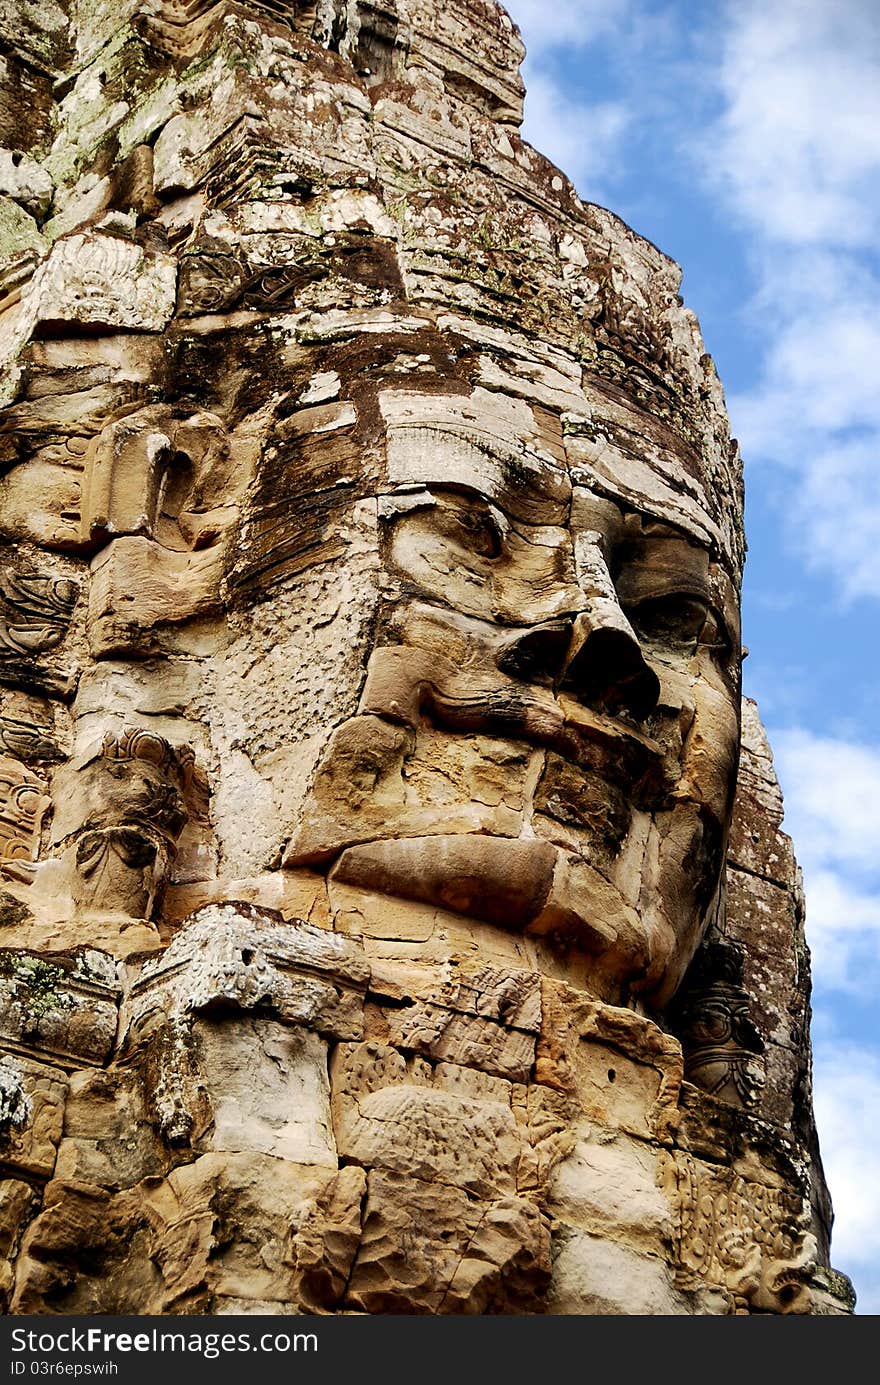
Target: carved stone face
[546, 736]
[508, 677]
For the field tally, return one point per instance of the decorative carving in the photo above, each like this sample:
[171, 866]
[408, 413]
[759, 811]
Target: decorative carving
[750, 1240]
[122, 870]
[104, 280]
[29, 739]
[711, 1014]
[146, 469]
[272, 286]
[140, 792]
[38, 610]
[216, 282]
[500, 619]
[209, 282]
[23, 804]
[136, 743]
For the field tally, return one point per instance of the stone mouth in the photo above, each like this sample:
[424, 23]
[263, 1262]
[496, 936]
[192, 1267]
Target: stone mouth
[408, 687]
[521, 885]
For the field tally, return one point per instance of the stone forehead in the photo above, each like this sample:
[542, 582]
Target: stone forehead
[382, 188]
[506, 449]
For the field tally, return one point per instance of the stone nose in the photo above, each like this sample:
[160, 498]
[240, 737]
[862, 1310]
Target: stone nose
[605, 666]
[595, 653]
[596, 656]
[537, 655]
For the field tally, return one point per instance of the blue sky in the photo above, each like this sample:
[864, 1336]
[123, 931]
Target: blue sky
[744, 139]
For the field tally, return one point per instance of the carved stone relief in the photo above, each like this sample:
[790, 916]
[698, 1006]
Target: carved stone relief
[370, 707]
[750, 1239]
[23, 805]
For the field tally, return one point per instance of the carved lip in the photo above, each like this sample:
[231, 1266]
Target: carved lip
[794, 1276]
[523, 885]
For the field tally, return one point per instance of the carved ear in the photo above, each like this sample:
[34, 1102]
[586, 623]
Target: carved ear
[194, 506]
[123, 474]
[145, 470]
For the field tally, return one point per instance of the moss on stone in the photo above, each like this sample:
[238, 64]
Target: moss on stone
[36, 984]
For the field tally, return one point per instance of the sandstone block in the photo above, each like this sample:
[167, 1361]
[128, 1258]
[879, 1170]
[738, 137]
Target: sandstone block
[435, 1136]
[496, 1258]
[596, 1276]
[105, 281]
[236, 956]
[59, 1007]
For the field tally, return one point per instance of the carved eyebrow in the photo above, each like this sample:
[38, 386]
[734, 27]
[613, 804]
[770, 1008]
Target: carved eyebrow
[452, 496]
[634, 587]
[649, 568]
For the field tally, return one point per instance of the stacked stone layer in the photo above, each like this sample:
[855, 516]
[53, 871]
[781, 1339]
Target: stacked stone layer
[365, 938]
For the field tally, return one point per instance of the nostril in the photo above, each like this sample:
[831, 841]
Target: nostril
[609, 671]
[538, 655]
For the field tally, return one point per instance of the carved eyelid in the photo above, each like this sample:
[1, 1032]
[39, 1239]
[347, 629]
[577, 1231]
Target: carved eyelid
[476, 514]
[667, 599]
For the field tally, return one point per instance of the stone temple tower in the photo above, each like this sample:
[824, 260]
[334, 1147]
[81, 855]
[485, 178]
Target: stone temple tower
[395, 916]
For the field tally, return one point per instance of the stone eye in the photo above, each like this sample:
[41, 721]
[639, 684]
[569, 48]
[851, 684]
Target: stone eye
[679, 620]
[479, 532]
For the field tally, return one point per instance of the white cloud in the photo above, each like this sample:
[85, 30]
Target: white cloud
[815, 410]
[837, 511]
[583, 140]
[797, 148]
[832, 789]
[832, 794]
[847, 1102]
[795, 154]
[843, 931]
[819, 377]
[567, 24]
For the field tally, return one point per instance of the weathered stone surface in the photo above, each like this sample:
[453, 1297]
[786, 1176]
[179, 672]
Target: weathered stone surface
[601, 1277]
[238, 957]
[486, 1018]
[26, 182]
[326, 1243]
[268, 1090]
[608, 1185]
[59, 1008]
[17, 1202]
[179, 1244]
[433, 1136]
[107, 281]
[616, 1066]
[434, 1250]
[33, 1099]
[378, 935]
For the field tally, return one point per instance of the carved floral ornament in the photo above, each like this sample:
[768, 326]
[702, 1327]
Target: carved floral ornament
[23, 804]
[38, 609]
